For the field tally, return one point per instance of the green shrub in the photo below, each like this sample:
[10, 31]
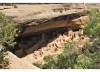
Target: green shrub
[92, 25]
[3, 60]
[7, 37]
[92, 29]
[7, 31]
[95, 46]
[95, 61]
[82, 62]
[70, 59]
[62, 61]
[94, 53]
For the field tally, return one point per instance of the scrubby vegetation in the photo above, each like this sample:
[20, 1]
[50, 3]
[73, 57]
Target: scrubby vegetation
[3, 60]
[7, 31]
[64, 60]
[7, 37]
[88, 58]
[92, 25]
[68, 59]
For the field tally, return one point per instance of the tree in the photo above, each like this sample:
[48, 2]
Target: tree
[92, 25]
[8, 31]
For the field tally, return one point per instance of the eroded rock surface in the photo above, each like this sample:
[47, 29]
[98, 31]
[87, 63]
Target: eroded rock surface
[34, 18]
[17, 63]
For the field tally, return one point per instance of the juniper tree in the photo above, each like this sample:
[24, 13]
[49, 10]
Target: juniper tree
[8, 31]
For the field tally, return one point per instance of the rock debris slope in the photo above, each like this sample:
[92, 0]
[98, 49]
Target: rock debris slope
[56, 46]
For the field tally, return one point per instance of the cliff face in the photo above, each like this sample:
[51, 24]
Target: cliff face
[33, 18]
[42, 19]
